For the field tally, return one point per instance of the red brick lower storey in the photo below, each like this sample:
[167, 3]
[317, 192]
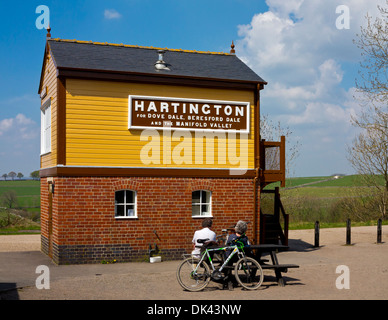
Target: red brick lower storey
[79, 225]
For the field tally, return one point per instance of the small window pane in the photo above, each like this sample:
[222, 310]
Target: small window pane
[119, 197]
[196, 210]
[206, 197]
[196, 196]
[130, 197]
[119, 210]
[130, 210]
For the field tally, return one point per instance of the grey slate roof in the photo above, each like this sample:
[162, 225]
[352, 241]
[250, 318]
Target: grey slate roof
[141, 60]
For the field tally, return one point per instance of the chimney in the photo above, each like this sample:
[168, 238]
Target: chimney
[160, 64]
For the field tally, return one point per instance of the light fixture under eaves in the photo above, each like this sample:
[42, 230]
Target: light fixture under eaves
[160, 64]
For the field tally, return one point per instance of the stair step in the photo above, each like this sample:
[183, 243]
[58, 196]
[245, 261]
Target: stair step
[275, 228]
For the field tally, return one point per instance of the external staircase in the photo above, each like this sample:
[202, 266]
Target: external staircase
[272, 168]
[272, 231]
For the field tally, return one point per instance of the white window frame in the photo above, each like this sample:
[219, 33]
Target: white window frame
[125, 204]
[45, 127]
[202, 202]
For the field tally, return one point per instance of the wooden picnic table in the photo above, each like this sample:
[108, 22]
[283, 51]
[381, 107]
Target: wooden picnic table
[272, 249]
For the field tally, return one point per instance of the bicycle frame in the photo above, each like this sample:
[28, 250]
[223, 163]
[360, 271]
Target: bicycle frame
[207, 253]
[247, 271]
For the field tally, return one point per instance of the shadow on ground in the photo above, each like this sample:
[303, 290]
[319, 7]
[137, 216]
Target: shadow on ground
[301, 246]
[8, 291]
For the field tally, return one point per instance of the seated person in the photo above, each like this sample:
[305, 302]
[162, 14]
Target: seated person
[240, 237]
[204, 233]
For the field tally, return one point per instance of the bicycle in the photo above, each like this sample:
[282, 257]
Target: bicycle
[194, 274]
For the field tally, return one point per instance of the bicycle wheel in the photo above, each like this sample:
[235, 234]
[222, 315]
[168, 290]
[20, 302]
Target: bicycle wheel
[248, 273]
[190, 279]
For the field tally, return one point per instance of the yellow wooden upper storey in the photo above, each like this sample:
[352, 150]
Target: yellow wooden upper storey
[97, 133]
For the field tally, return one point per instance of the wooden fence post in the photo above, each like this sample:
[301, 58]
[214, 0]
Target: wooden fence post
[348, 235]
[316, 234]
[379, 230]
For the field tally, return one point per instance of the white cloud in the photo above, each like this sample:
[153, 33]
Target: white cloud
[23, 120]
[296, 47]
[5, 125]
[18, 128]
[111, 14]
[321, 113]
[294, 37]
[294, 100]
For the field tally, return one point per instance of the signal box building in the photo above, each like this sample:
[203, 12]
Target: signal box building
[140, 144]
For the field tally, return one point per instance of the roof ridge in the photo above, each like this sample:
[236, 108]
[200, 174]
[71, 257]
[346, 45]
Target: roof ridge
[138, 47]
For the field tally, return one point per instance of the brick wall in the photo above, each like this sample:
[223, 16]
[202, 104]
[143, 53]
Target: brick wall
[85, 229]
[44, 207]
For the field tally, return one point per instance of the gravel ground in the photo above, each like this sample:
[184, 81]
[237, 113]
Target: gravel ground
[316, 278]
[16, 243]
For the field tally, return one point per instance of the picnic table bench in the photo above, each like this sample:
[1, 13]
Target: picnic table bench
[259, 249]
[256, 251]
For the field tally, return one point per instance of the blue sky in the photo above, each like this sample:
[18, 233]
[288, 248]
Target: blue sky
[309, 63]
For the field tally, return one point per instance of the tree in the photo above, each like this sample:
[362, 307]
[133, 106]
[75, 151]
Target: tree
[35, 175]
[9, 199]
[372, 85]
[5, 176]
[369, 157]
[373, 43]
[272, 132]
[20, 175]
[12, 175]
[369, 153]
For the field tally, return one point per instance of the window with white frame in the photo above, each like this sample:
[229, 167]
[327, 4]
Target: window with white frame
[125, 204]
[45, 127]
[201, 203]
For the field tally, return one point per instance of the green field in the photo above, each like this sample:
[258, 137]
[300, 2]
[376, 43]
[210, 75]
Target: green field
[343, 181]
[330, 201]
[25, 213]
[27, 191]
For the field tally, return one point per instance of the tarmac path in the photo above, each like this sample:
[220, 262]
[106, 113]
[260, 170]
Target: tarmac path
[317, 277]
